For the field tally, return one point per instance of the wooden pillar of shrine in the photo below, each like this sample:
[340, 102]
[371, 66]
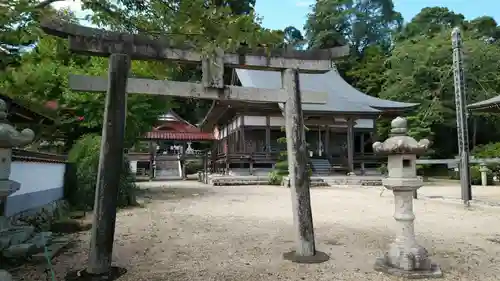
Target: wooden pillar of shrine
[268, 134]
[237, 137]
[350, 144]
[152, 154]
[242, 135]
[320, 153]
[327, 140]
[226, 148]
[362, 150]
[183, 161]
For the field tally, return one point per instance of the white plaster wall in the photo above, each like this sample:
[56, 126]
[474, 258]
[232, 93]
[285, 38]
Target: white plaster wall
[365, 123]
[255, 120]
[276, 121]
[35, 176]
[41, 183]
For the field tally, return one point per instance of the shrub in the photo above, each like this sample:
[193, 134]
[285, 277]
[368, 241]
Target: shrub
[84, 155]
[491, 150]
[275, 178]
[193, 166]
[281, 167]
[382, 169]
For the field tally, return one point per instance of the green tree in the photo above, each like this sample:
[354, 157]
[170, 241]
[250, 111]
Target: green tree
[430, 21]
[359, 23]
[18, 28]
[420, 70]
[293, 38]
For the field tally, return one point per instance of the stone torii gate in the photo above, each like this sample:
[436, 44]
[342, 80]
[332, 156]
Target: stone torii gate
[122, 47]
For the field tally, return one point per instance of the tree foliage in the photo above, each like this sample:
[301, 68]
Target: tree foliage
[357, 22]
[417, 67]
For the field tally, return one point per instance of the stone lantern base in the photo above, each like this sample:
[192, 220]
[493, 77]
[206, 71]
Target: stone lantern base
[381, 265]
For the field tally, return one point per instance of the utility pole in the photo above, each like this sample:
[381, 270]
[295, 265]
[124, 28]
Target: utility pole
[462, 115]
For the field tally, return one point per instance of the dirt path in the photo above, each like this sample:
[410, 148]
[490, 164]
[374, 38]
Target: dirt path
[189, 231]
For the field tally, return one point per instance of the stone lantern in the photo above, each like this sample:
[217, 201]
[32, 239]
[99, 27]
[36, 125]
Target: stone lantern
[405, 257]
[483, 169]
[9, 138]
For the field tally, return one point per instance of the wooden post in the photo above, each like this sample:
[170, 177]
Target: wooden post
[320, 153]
[297, 166]
[205, 167]
[242, 135]
[226, 149]
[268, 134]
[327, 141]
[110, 166]
[238, 138]
[152, 154]
[350, 144]
[362, 150]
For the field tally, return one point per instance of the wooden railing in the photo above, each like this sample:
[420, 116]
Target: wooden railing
[269, 157]
[35, 156]
[369, 158]
[247, 157]
[265, 157]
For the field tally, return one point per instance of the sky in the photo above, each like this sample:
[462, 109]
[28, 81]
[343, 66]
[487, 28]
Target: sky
[276, 17]
[278, 14]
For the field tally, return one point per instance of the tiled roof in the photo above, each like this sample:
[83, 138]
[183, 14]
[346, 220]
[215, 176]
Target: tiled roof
[342, 97]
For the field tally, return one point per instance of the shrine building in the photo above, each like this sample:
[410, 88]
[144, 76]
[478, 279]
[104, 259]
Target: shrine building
[339, 133]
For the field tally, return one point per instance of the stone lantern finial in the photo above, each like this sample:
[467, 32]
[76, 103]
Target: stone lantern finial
[400, 142]
[399, 126]
[9, 136]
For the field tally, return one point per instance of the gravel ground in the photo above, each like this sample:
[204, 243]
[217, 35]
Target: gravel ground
[189, 231]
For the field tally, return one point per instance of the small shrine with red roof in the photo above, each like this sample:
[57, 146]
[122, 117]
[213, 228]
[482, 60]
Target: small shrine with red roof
[173, 127]
[170, 144]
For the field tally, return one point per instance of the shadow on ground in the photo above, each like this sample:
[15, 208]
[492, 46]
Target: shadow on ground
[170, 193]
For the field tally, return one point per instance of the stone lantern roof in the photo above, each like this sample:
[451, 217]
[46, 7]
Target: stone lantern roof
[400, 142]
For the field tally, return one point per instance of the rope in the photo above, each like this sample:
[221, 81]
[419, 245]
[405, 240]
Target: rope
[50, 267]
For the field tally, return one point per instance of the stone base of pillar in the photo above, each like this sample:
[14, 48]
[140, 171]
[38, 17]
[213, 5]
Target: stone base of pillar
[318, 257]
[382, 265]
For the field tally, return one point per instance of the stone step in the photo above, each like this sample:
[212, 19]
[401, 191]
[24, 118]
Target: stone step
[355, 180]
[29, 247]
[5, 276]
[15, 235]
[315, 182]
[17, 251]
[41, 239]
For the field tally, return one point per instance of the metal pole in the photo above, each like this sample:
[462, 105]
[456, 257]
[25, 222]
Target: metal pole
[460, 103]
